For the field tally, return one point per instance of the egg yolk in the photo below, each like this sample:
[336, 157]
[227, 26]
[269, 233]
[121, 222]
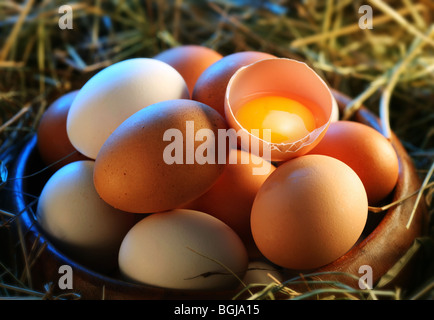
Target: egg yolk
[288, 119]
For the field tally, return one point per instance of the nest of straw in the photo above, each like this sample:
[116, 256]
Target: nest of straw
[389, 69]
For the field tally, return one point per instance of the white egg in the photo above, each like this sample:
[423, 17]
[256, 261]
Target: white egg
[260, 272]
[77, 221]
[114, 94]
[183, 249]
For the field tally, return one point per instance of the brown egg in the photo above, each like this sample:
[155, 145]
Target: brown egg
[52, 139]
[161, 157]
[190, 61]
[231, 198]
[309, 212]
[211, 86]
[367, 152]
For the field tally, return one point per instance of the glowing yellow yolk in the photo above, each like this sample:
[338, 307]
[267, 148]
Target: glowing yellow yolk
[288, 119]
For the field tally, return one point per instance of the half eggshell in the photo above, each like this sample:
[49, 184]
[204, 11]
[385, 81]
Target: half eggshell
[285, 77]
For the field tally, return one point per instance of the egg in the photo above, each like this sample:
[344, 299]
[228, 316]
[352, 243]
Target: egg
[280, 106]
[78, 221]
[162, 157]
[115, 93]
[309, 212]
[211, 86]
[53, 143]
[230, 199]
[261, 272]
[183, 249]
[367, 152]
[190, 61]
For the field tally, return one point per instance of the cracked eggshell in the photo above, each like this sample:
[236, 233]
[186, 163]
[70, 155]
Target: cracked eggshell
[183, 249]
[114, 94]
[285, 77]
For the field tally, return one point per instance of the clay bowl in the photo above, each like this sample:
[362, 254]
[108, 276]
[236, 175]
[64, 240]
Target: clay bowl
[384, 242]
